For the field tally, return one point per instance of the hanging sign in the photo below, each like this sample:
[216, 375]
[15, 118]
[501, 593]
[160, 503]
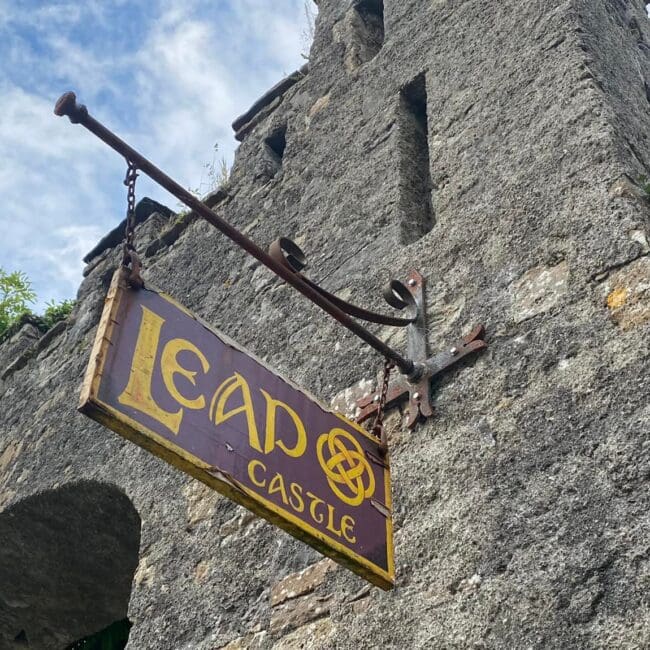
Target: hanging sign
[165, 380]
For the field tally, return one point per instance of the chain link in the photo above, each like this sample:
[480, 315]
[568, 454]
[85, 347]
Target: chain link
[129, 229]
[378, 426]
[130, 257]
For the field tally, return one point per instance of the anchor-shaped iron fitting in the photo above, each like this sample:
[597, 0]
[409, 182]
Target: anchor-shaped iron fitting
[416, 384]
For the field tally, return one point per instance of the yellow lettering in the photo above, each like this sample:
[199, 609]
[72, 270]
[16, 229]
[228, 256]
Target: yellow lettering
[251, 473]
[347, 525]
[137, 393]
[330, 521]
[270, 441]
[296, 491]
[312, 508]
[170, 367]
[277, 485]
[218, 405]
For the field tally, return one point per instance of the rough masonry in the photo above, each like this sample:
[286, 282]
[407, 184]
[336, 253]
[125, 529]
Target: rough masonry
[501, 148]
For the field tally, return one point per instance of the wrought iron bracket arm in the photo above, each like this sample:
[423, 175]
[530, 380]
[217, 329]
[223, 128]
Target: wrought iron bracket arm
[396, 294]
[414, 385]
[286, 260]
[416, 388]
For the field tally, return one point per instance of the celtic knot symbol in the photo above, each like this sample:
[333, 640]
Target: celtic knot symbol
[348, 472]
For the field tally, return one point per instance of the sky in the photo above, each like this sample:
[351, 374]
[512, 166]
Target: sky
[168, 76]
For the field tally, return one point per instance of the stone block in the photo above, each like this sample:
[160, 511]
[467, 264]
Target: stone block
[538, 290]
[201, 501]
[303, 582]
[298, 612]
[315, 636]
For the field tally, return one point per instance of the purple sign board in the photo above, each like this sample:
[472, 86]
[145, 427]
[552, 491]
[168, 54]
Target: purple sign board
[165, 380]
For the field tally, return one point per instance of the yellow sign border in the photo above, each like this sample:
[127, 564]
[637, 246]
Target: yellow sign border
[144, 437]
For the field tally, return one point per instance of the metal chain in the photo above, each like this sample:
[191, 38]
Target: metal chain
[378, 426]
[129, 229]
[130, 257]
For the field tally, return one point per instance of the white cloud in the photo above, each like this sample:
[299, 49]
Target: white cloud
[170, 82]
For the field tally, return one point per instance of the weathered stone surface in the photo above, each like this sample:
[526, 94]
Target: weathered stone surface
[14, 347]
[201, 502]
[8, 455]
[295, 613]
[534, 473]
[628, 294]
[319, 105]
[315, 636]
[539, 290]
[257, 641]
[302, 582]
[346, 401]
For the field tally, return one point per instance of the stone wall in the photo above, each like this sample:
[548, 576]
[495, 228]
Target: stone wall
[521, 509]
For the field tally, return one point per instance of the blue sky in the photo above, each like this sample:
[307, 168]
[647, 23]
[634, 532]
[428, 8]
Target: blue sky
[169, 76]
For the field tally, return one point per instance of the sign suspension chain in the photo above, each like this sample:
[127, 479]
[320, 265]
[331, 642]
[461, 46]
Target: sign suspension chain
[130, 258]
[378, 429]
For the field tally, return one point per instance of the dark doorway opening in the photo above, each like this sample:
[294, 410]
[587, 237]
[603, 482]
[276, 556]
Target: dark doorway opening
[67, 561]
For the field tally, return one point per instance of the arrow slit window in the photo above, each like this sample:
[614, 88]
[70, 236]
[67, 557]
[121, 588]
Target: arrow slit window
[370, 28]
[416, 187]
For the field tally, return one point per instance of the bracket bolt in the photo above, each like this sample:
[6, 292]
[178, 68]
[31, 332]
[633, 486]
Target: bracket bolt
[416, 396]
[454, 351]
[412, 282]
[375, 398]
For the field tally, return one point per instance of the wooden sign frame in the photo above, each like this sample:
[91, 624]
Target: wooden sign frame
[342, 460]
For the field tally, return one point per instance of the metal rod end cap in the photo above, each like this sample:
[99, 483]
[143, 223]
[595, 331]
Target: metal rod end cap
[67, 105]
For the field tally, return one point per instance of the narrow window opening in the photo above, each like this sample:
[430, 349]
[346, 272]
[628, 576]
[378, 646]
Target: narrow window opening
[270, 162]
[370, 28]
[277, 142]
[416, 187]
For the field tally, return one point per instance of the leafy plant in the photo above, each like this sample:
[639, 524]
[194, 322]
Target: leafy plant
[182, 216]
[15, 295]
[55, 312]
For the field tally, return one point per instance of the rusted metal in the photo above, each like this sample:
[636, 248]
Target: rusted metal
[130, 258]
[78, 114]
[396, 294]
[378, 429]
[419, 394]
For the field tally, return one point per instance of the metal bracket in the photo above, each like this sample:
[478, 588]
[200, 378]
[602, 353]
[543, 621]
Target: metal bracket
[287, 261]
[418, 392]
